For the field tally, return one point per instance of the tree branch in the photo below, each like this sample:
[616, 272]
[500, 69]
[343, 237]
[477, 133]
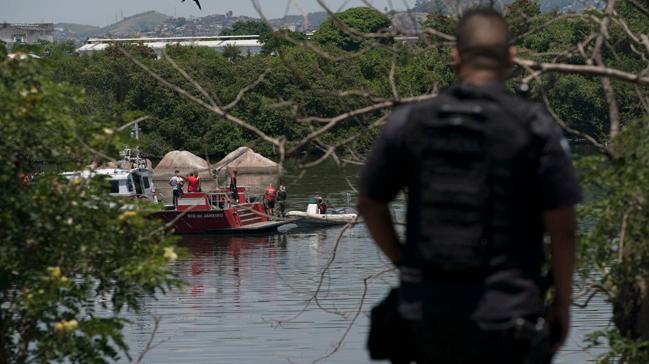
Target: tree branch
[246, 89]
[213, 108]
[586, 70]
[338, 119]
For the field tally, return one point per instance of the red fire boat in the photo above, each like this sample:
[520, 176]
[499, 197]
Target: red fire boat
[209, 213]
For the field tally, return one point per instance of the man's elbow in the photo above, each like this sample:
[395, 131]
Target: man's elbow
[561, 224]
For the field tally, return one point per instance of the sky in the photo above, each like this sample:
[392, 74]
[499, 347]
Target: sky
[105, 12]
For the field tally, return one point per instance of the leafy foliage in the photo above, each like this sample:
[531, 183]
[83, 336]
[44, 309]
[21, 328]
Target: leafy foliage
[615, 244]
[247, 28]
[361, 19]
[68, 248]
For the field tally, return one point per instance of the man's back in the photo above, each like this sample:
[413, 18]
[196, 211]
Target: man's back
[474, 164]
[281, 195]
[173, 182]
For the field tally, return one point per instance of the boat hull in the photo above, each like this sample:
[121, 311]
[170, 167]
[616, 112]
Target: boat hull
[244, 218]
[309, 219]
[211, 222]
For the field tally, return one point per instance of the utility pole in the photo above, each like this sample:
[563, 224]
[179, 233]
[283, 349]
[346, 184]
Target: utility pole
[136, 130]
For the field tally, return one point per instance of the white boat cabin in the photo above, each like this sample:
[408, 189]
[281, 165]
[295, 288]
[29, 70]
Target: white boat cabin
[134, 183]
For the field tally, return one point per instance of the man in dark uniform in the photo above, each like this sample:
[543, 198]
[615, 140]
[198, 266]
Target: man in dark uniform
[233, 189]
[487, 175]
[281, 199]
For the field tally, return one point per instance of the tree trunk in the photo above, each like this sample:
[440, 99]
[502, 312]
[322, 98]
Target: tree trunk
[631, 309]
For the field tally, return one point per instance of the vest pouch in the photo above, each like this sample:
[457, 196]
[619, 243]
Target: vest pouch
[455, 191]
[453, 248]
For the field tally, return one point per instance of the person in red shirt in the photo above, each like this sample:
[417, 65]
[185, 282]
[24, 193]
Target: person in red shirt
[269, 199]
[193, 182]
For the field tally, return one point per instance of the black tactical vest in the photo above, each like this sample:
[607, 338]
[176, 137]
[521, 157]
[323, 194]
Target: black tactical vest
[474, 162]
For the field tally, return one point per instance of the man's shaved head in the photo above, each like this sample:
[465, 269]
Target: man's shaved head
[482, 40]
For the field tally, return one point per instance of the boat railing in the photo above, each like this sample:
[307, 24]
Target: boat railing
[209, 201]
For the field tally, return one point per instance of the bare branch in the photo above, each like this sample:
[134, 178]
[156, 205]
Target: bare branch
[357, 313]
[393, 85]
[213, 108]
[571, 130]
[586, 70]
[191, 80]
[322, 158]
[603, 31]
[639, 6]
[246, 89]
[625, 220]
[148, 347]
[613, 109]
[338, 119]
[592, 291]
[129, 124]
[323, 273]
[545, 25]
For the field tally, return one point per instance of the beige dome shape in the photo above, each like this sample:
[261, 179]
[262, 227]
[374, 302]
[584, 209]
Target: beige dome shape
[246, 161]
[184, 161]
[254, 171]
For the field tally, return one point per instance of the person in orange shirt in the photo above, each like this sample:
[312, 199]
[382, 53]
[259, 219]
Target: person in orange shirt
[193, 182]
[269, 199]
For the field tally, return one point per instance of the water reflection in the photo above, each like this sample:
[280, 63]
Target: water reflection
[241, 287]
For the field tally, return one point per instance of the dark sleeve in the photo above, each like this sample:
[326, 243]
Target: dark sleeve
[384, 173]
[556, 175]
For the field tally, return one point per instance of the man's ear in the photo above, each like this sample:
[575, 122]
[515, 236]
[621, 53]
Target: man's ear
[455, 56]
[512, 55]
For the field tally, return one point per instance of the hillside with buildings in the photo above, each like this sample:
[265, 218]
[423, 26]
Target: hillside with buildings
[142, 24]
[139, 24]
[155, 24]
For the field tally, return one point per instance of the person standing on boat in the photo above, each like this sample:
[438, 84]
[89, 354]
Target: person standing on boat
[487, 175]
[234, 192]
[281, 199]
[269, 199]
[322, 206]
[193, 182]
[176, 183]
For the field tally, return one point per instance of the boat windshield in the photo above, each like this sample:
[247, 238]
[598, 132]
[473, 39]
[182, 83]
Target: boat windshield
[137, 181]
[114, 186]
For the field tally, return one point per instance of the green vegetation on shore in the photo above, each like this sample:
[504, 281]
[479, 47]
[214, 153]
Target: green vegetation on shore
[300, 83]
[72, 258]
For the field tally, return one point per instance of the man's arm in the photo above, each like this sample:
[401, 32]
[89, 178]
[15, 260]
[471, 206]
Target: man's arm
[385, 173]
[379, 222]
[561, 225]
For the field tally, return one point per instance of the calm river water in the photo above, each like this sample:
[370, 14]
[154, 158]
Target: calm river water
[246, 299]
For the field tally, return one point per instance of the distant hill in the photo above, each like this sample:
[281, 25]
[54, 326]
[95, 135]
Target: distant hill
[76, 28]
[314, 19]
[136, 24]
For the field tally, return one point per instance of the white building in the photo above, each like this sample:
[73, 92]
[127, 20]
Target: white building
[245, 43]
[26, 33]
